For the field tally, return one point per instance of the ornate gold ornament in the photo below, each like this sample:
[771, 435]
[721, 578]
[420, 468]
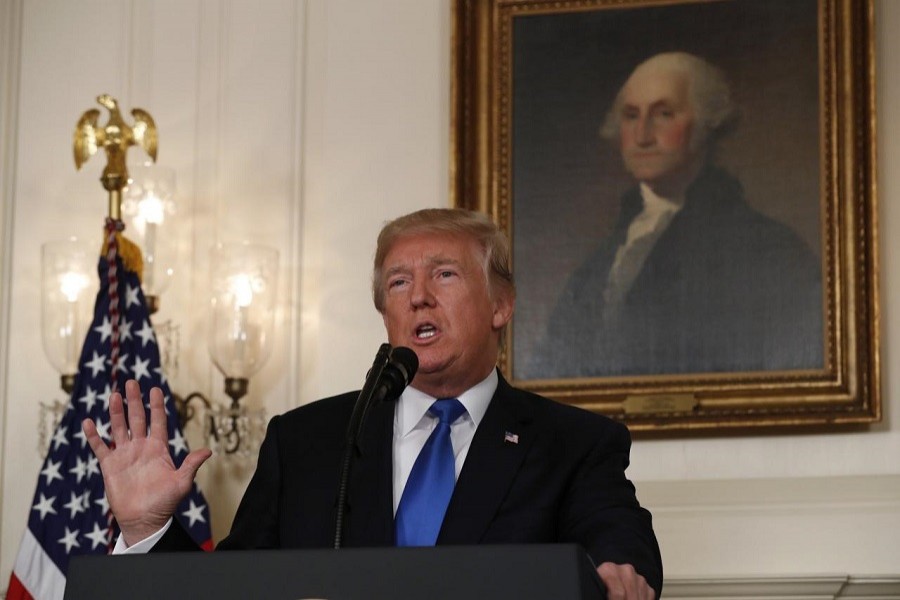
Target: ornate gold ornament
[115, 138]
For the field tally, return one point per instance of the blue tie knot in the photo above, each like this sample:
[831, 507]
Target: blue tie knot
[447, 410]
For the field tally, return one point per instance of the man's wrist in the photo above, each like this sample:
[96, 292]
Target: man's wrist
[141, 546]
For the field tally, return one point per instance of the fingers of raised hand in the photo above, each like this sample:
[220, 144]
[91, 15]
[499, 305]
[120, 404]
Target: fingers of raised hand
[158, 428]
[192, 463]
[93, 439]
[624, 583]
[137, 419]
[118, 424]
[135, 425]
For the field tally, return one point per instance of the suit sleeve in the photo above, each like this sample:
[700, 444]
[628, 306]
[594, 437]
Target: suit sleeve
[602, 513]
[175, 539]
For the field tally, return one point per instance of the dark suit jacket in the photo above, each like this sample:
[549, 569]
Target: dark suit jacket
[725, 288]
[563, 481]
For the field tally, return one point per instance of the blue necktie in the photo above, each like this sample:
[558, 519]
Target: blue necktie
[431, 481]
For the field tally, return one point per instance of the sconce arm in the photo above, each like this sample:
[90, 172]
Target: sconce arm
[184, 409]
[235, 388]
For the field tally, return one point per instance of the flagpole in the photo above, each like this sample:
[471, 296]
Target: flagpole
[115, 204]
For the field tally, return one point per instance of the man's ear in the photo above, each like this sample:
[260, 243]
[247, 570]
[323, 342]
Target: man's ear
[504, 303]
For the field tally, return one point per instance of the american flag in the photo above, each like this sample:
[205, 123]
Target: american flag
[70, 513]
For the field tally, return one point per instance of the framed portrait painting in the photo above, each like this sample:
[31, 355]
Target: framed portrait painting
[688, 187]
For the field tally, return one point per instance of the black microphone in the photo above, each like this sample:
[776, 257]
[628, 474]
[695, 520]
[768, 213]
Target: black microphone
[397, 374]
[372, 383]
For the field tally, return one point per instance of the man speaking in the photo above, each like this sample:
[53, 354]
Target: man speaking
[510, 466]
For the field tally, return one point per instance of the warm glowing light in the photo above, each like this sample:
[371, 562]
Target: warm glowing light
[71, 284]
[151, 209]
[242, 288]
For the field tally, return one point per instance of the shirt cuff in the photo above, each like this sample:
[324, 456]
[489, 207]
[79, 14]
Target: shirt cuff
[143, 546]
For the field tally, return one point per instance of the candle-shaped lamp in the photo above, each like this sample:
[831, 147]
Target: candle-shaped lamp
[69, 285]
[149, 208]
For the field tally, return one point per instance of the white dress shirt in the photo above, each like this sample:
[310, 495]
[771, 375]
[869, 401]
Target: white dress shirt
[413, 424]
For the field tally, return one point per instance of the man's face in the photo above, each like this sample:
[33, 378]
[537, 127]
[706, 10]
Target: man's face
[657, 122]
[437, 303]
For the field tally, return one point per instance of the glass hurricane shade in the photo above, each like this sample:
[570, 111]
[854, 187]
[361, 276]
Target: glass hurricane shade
[149, 210]
[243, 282]
[69, 286]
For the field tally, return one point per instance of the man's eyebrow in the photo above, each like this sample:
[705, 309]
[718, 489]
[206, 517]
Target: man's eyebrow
[440, 260]
[390, 271]
[437, 260]
[665, 101]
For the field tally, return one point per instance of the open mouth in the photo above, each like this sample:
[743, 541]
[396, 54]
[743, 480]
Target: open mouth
[425, 331]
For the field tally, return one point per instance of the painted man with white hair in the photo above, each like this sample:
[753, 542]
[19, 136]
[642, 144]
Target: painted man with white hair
[692, 278]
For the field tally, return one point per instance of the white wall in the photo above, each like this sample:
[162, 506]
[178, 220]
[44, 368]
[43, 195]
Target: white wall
[305, 125]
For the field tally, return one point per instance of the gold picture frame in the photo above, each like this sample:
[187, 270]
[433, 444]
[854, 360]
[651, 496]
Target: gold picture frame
[532, 80]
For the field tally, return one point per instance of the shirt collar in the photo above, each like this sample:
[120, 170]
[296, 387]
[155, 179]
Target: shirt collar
[413, 404]
[654, 203]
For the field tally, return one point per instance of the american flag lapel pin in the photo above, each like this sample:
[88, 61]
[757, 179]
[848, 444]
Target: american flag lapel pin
[510, 437]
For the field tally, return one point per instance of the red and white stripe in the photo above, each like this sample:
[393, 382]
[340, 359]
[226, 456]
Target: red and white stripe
[35, 575]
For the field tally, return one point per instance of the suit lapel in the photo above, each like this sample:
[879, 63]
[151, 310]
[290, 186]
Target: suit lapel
[498, 448]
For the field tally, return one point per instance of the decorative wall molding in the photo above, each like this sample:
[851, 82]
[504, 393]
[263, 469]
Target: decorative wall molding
[10, 52]
[715, 495]
[825, 587]
[294, 284]
[776, 526]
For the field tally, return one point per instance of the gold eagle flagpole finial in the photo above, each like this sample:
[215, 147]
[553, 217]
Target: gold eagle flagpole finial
[115, 138]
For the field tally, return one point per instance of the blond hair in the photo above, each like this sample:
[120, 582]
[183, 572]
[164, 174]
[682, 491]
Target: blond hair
[479, 227]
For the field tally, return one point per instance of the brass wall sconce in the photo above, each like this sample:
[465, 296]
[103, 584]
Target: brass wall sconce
[243, 282]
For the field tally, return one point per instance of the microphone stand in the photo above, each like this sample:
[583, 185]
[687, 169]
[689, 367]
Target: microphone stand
[360, 408]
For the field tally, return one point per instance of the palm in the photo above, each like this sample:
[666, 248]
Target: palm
[142, 483]
[140, 478]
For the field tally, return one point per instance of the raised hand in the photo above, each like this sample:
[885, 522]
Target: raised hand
[142, 484]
